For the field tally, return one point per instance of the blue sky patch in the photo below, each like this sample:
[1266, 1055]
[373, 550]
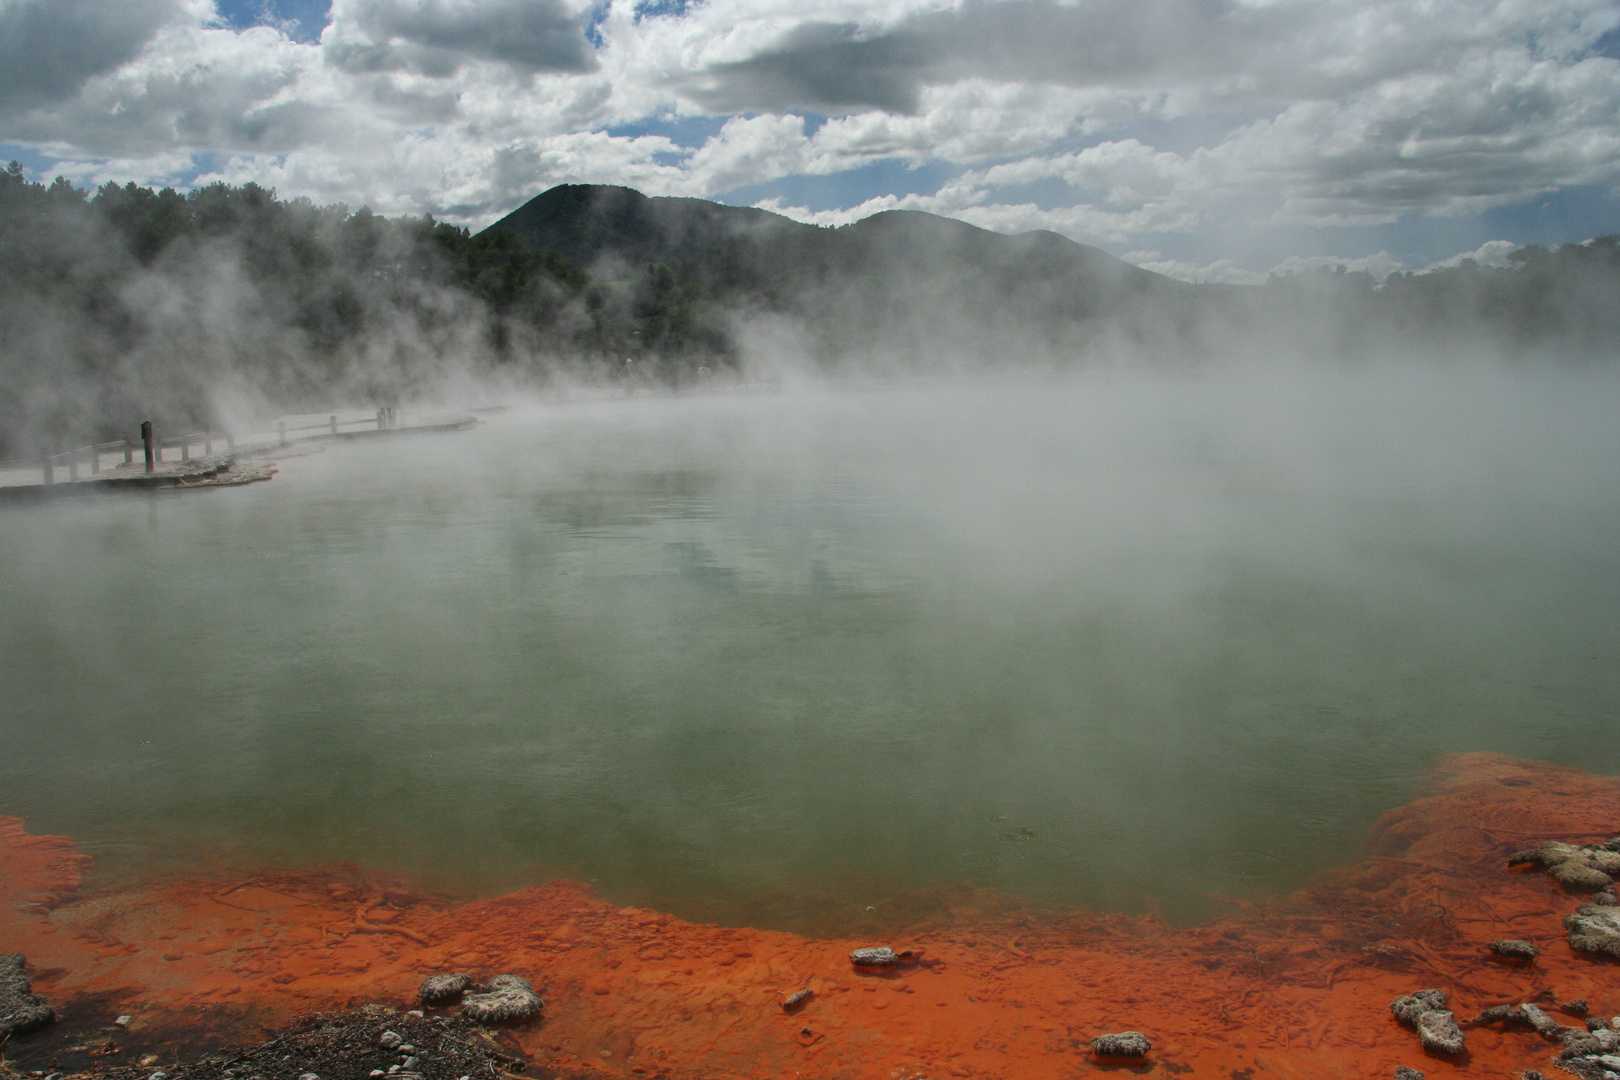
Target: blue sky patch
[688, 131]
[1608, 45]
[1048, 193]
[36, 166]
[302, 20]
[848, 188]
[42, 168]
[593, 25]
[663, 9]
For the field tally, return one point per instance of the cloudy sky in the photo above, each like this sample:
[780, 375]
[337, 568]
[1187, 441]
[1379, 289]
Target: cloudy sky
[1212, 139]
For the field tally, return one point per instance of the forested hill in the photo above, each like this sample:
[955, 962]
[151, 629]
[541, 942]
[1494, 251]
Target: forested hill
[897, 287]
[205, 306]
[904, 288]
[584, 223]
[595, 225]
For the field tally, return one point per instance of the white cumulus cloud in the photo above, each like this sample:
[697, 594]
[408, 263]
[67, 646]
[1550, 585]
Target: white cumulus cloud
[1123, 122]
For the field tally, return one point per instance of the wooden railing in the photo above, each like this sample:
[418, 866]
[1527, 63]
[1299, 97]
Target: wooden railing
[384, 420]
[152, 446]
[90, 455]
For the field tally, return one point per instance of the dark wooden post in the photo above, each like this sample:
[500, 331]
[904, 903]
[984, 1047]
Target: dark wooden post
[50, 470]
[379, 419]
[146, 441]
[334, 425]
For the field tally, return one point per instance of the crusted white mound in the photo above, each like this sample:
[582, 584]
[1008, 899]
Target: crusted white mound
[441, 989]
[507, 997]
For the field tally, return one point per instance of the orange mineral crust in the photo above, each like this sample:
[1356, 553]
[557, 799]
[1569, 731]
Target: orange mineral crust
[1299, 987]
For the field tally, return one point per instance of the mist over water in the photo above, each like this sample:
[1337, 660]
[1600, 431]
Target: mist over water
[777, 657]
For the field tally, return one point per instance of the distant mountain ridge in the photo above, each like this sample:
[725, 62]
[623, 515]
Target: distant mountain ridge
[584, 223]
[906, 284]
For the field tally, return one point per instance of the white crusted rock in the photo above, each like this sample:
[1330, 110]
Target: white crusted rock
[20, 1009]
[1439, 1032]
[443, 989]
[1594, 928]
[1409, 1007]
[1125, 1044]
[507, 997]
[875, 956]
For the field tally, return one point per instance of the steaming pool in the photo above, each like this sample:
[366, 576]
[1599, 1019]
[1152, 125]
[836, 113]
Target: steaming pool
[778, 658]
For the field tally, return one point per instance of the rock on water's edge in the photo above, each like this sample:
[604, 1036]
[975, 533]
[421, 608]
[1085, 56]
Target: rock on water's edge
[875, 956]
[20, 1009]
[1438, 1031]
[505, 998]
[1587, 866]
[443, 989]
[1425, 1011]
[1128, 1044]
[1408, 1007]
[1515, 949]
[1594, 928]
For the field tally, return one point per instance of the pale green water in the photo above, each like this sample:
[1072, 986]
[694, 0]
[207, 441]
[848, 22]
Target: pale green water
[775, 658]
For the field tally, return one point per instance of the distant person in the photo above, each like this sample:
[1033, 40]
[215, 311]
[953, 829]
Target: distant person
[628, 374]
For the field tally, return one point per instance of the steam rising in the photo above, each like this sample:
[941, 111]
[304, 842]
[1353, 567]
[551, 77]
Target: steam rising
[210, 308]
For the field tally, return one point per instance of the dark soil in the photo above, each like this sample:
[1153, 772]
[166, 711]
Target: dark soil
[342, 1046]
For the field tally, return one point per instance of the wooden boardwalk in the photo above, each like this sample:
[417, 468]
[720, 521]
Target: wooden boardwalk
[250, 462]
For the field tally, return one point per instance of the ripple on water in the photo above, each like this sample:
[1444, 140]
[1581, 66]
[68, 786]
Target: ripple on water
[1246, 864]
[1029, 846]
[1043, 851]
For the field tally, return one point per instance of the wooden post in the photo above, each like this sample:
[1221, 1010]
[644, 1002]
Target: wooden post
[379, 419]
[281, 426]
[146, 441]
[50, 470]
[185, 448]
[334, 425]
